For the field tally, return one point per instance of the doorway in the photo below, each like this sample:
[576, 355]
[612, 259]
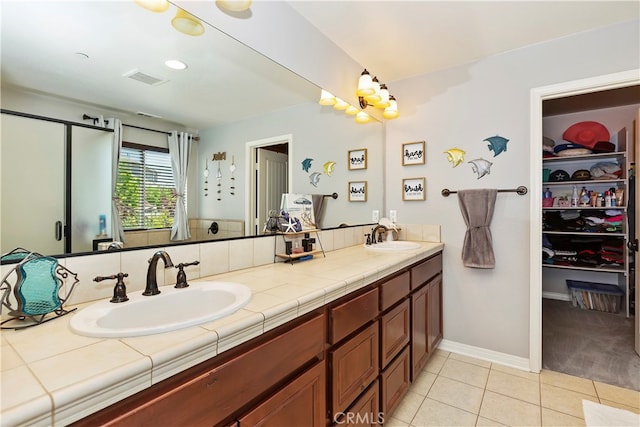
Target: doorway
[538, 95]
[268, 178]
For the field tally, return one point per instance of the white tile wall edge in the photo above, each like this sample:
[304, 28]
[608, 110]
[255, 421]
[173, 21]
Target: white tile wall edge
[521, 363]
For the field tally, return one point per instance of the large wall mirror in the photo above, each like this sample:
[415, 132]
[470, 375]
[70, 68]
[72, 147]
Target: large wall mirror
[62, 60]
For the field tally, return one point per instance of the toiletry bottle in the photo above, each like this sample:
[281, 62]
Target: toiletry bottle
[584, 197]
[607, 199]
[574, 197]
[619, 197]
[548, 194]
[103, 225]
[612, 192]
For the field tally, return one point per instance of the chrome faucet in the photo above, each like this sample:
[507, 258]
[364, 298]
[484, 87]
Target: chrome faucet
[152, 282]
[373, 233]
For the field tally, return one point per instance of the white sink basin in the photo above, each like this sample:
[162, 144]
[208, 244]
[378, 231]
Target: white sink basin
[170, 310]
[394, 245]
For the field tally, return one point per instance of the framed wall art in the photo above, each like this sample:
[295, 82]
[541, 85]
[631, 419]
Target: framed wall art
[357, 191]
[413, 189]
[413, 153]
[358, 159]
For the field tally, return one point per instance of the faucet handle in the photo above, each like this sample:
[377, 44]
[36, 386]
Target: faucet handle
[368, 236]
[181, 279]
[119, 290]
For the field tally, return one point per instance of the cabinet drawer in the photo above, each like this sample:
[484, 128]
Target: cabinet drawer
[394, 290]
[394, 332]
[212, 397]
[395, 382]
[421, 273]
[349, 316]
[354, 365]
[364, 412]
[302, 402]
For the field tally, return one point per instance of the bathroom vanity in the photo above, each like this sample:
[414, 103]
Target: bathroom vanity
[350, 346]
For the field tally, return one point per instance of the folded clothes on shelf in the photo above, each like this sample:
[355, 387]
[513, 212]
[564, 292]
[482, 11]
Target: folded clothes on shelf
[594, 221]
[583, 251]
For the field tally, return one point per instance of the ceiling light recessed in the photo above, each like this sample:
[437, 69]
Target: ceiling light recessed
[175, 64]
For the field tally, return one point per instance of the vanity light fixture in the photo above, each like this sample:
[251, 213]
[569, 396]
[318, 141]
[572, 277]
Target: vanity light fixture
[365, 84]
[234, 5]
[175, 64]
[154, 5]
[187, 23]
[362, 117]
[391, 112]
[340, 105]
[326, 98]
[351, 110]
[371, 93]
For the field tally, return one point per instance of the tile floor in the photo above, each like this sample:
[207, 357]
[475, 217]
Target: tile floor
[456, 390]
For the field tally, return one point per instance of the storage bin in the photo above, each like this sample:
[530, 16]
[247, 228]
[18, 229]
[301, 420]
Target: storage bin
[595, 296]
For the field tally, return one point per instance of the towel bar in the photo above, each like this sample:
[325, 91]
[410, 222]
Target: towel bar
[521, 190]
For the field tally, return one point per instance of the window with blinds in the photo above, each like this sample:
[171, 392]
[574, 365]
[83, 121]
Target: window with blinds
[145, 188]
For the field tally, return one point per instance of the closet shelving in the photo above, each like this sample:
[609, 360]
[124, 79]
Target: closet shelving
[620, 235]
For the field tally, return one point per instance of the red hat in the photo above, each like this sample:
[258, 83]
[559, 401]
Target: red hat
[586, 134]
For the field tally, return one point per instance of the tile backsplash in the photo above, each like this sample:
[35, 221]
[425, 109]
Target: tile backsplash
[215, 258]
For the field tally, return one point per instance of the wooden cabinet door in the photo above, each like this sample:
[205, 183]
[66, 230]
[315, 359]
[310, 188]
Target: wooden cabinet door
[364, 412]
[434, 314]
[395, 383]
[302, 402]
[354, 365]
[419, 331]
[394, 332]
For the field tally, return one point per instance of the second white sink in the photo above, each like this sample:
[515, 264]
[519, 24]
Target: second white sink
[170, 310]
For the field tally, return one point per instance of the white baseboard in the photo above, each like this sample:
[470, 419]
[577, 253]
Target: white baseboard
[556, 295]
[521, 363]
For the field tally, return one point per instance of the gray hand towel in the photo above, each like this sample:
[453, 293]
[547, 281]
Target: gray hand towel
[318, 202]
[477, 210]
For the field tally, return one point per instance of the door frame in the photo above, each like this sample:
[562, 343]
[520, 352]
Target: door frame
[250, 184]
[537, 95]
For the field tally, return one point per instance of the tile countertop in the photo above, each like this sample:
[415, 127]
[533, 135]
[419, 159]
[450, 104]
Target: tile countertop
[51, 376]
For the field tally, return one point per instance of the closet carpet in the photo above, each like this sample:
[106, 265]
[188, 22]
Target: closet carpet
[589, 344]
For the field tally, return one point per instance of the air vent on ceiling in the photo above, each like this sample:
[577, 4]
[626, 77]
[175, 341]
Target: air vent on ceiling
[146, 78]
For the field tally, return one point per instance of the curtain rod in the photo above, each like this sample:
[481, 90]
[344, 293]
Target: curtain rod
[95, 119]
[333, 196]
[521, 190]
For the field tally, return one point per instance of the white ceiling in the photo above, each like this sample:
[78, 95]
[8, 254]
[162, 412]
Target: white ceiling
[393, 39]
[400, 39]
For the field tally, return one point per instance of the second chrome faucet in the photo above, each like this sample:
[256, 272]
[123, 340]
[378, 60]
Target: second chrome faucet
[152, 281]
